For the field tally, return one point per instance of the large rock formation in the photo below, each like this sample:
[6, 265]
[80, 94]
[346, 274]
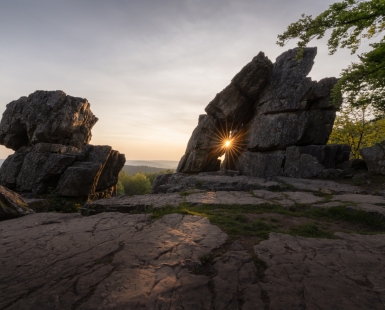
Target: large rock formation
[277, 118]
[50, 132]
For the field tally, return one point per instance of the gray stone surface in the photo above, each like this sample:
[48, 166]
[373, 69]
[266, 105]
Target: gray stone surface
[304, 273]
[375, 157]
[224, 197]
[106, 261]
[357, 198]
[331, 156]
[261, 165]
[231, 106]
[236, 284]
[47, 116]
[299, 165]
[289, 87]
[253, 77]
[369, 208]
[303, 197]
[126, 204]
[276, 131]
[320, 185]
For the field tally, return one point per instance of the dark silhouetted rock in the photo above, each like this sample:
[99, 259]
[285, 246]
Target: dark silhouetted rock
[234, 105]
[355, 163]
[47, 116]
[203, 148]
[320, 95]
[231, 106]
[374, 157]
[331, 174]
[12, 205]
[87, 176]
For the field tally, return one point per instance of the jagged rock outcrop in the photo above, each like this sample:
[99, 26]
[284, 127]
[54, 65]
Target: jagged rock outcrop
[202, 150]
[267, 109]
[50, 132]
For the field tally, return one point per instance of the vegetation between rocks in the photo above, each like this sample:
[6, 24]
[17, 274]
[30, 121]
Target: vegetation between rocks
[138, 183]
[257, 222]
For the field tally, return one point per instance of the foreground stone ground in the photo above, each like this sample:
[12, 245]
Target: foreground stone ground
[296, 246]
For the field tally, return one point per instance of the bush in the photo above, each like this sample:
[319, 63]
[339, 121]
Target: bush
[119, 188]
[138, 184]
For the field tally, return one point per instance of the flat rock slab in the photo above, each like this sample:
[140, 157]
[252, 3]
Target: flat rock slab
[106, 261]
[127, 204]
[303, 197]
[211, 182]
[368, 208]
[320, 186]
[303, 273]
[356, 198]
[288, 198]
[223, 197]
[214, 181]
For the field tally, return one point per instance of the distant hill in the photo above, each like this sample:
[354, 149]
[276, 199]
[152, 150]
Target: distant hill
[145, 169]
[164, 164]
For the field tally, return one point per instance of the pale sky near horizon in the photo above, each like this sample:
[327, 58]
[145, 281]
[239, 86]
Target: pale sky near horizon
[148, 67]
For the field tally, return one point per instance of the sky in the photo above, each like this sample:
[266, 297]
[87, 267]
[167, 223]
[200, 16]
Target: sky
[147, 67]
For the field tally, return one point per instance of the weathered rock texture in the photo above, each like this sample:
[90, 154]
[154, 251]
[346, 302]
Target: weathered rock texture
[47, 116]
[266, 109]
[106, 261]
[375, 157]
[305, 273]
[12, 205]
[128, 261]
[50, 132]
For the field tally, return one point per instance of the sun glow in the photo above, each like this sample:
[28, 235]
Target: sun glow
[227, 143]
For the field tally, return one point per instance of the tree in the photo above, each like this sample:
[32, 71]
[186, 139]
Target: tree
[363, 83]
[357, 128]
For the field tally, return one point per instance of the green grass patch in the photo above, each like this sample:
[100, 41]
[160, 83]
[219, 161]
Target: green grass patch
[311, 231]
[233, 220]
[184, 194]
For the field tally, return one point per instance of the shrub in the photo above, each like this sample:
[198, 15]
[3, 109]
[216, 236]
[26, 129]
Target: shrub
[138, 184]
